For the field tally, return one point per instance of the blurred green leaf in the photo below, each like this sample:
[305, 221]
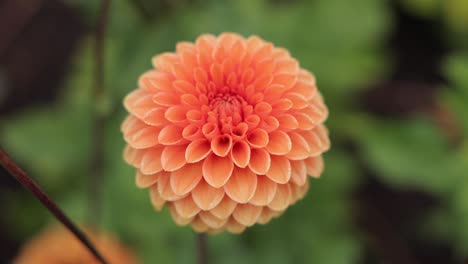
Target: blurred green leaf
[409, 153]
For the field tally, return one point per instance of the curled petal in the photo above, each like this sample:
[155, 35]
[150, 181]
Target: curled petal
[155, 117]
[240, 154]
[139, 102]
[156, 199]
[183, 86]
[270, 123]
[207, 197]
[280, 169]
[260, 161]
[192, 132]
[186, 178]
[314, 166]
[198, 225]
[154, 81]
[211, 220]
[144, 137]
[173, 157]
[225, 208]
[165, 189]
[306, 88]
[179, 219]
[171, 135]
[305, 121]
[267, 214]
[145, 181]
[234, 227]
[258, 138]
[279, 143]
[247, 214]
[282, 104]
[221, 145]
[186, 207]
[133, 156]
[241, 186]
[265, 192]
[175, 113]
[217, 170]
[164, 61]
[300, 148]
[288, 66]
[197, 150]
[287, 80]
[282, 198]
[299, 101]
[166, 99]
[288, 122]
[298, 172]
[151, 161]
[317, 144]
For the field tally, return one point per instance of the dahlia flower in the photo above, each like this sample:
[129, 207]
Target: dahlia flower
[57, 245]
[225, 131]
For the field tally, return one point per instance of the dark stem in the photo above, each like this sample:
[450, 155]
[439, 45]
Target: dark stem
[96, 165]
[202, 248]
[37, 191]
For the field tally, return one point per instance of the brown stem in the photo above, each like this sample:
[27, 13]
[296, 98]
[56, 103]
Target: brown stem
[99, 120]
[37, 191]
[202, 248]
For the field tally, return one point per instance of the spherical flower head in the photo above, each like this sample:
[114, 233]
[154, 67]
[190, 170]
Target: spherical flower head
[225, 131]
[56, 245]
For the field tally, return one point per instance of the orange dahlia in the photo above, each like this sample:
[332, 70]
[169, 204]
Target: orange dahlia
[225, 131]
[57, 245]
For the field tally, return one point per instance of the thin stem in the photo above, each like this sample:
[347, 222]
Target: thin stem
[202, 248]
[37, 191]
[99, 118]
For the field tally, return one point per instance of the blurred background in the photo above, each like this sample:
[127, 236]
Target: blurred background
[394, 75]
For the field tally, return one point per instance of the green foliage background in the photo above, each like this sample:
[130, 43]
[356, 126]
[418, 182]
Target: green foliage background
[341, 43]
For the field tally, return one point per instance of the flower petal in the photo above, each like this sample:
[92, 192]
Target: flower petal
[145, 181]
[156, 200]
[300, 149]
[280, 169]
[173, 157]
[279, 144]
[240, 154]
[267, 214]
[176, 113]
[186, 178]
[242, 185]
[171, 135]
[179, 219]
[282, 198]
[314, 166]
[221, 145]
[260, 161]
[165, 189]
[298, 172]
[265, 192]
[258, 138]
[197, 150]
[234, 227]
[207, 197]
[211, 220]
[186, 207]
[225, 208]
[198, 225]
[247, 214]
[151, 161]
[217, 170]
[144, 137]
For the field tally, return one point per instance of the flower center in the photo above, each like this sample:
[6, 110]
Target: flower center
[227, 103]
